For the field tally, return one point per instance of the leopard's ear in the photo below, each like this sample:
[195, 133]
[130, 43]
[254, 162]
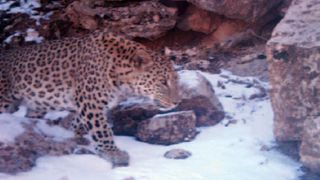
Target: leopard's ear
[142, 60]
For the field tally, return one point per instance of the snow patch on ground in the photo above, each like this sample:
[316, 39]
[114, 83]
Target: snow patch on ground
[189, 78]
[10, 128]
[58, 133]
[241, 150]
[54, 115]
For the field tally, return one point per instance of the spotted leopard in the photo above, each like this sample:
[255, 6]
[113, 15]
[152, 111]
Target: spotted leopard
[86, 76]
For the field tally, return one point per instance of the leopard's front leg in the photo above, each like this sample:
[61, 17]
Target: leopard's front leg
[93, 117]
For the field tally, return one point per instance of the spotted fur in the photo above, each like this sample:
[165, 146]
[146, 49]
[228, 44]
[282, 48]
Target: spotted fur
[86, 76]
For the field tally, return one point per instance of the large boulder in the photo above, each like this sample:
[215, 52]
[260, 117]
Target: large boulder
[146, 19]
[198, 95]
[294, 66]
[127, 115]
[249, 10]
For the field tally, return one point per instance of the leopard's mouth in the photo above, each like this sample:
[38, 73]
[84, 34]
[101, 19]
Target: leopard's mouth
[165, 105]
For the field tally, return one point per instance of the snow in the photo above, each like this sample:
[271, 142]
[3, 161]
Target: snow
[33, 35]
[9, 38]
[4, 5]
[239, 148]
[10, 128]
[189, 78]
[134, 100]
[54, 115]
[26, 6]
[168, 114]
[58, 133]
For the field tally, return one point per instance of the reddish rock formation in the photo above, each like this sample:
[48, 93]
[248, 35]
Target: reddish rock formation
[146, 19]
[249, 11]
[198, 20]
[294, 54]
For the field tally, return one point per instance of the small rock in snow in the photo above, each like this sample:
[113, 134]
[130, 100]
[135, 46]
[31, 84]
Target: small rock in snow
[177, 154]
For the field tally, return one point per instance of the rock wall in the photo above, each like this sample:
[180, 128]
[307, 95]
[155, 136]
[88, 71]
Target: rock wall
[210, 21]
[249, 10]
[294, 66]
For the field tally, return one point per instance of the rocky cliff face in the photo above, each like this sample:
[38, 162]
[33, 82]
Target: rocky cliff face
[190, 22]
[294, 59]
[198, 35]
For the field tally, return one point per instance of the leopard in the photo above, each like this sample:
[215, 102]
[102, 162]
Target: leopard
[87, 76]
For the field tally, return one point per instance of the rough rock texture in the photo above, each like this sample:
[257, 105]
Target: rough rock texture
[168, 128]
[225, 30]
[251, 62]
[125, 118]
[196, 19]
[201, 98]
[310, 146]
[30, 145]
[177, 154]
[198, 97]
[249, 10]
[147, 19]
[294, 54]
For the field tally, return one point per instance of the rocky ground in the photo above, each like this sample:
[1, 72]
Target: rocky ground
[209, 36]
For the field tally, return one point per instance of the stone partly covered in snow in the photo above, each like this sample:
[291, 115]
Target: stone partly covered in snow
[37, 140]
[177, 154]
[250, 10]
[294, 54]
[147, 19]
[168, 128]
[126, 117]
[198, 95]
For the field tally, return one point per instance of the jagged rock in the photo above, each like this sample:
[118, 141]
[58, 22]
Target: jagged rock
[251, 63]
[198, 95]
[293, 54]
[146, 19]
[229, 28]
[126, 117]
[30, 145]
[196, 19]
[177, 154]
[168, 128]
[249, 11]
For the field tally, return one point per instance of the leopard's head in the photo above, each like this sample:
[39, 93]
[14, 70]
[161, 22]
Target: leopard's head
[153, 76]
